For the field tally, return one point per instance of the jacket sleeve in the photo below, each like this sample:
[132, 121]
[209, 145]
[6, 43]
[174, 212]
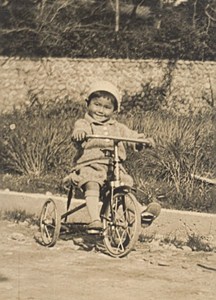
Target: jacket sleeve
[127, 132]
[82, 124]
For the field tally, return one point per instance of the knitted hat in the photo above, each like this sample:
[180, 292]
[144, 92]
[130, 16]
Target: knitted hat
[105, 86]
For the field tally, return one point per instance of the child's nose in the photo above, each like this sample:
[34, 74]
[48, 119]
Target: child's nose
[100, 109]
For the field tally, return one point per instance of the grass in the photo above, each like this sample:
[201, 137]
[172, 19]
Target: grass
[32, 184]
[35, 146]
[199, 243]
[194, 241]
[36, 153]
[185, 146]
[19, 215]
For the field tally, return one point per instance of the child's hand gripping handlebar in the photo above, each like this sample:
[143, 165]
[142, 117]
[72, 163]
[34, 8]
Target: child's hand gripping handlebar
[147, 142]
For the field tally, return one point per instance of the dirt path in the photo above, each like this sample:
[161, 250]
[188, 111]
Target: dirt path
[68, 271]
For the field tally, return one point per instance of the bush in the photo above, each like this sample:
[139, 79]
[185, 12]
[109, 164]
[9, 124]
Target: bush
[150, 98]
[37, 141]
[36, 144]
[86, 29]
[184, 147]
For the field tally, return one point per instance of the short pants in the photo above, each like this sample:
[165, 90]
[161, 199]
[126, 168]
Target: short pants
[97, 172]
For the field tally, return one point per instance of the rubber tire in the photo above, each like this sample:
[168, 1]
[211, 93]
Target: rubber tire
[118, 240]
[49, 231]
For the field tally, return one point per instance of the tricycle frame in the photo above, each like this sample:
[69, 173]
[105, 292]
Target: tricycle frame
[120, 212]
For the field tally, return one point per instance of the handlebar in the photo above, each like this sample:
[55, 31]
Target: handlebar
[118, 139]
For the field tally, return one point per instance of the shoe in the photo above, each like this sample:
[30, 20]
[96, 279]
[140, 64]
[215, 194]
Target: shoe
[151, 212]
[94, 227]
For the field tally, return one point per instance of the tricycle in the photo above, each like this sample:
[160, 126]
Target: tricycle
[120, 210]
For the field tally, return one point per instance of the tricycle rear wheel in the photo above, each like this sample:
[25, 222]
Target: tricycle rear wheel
[122, 224]
[50, 223]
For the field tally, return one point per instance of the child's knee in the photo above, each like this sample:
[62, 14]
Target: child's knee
[127, 179]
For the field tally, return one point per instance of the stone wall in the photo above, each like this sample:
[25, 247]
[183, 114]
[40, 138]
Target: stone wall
[192, 84]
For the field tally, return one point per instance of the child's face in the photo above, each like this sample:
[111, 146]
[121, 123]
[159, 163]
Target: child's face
[101, 108]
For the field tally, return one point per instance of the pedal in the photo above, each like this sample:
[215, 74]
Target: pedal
[147, 219]
[94, 231]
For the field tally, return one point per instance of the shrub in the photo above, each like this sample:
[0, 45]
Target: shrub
[183, 149]
[18, 216]
[37, 141]
[150, 97]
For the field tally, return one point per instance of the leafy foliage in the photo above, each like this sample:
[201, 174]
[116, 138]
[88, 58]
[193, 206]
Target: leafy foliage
[36, 144]
[37, 141]
[150, 98]
[86, 29]
[183, 148]
[18, 216]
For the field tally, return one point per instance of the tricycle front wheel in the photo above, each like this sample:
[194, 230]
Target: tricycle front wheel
[122, 224]
[50, 223]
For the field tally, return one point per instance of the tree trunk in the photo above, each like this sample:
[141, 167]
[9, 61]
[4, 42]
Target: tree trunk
[117, 16]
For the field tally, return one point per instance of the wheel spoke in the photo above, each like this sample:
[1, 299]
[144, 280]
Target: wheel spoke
[49, 223]
[130, 235]
[47, 233]
[52, 212]
[121, 224]
[131, 217]
[45, 212]
[120, 241]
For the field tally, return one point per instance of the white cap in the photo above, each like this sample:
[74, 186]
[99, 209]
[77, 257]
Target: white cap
[106, 86]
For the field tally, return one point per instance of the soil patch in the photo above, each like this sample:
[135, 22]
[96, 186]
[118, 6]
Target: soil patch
[77, 269]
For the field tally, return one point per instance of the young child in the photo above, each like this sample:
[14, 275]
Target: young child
[102, 102]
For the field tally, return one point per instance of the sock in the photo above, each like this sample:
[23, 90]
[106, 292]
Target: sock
[92, 203]
[92, 206]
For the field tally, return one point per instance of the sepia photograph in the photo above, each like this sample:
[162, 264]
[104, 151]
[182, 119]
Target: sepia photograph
[107, 149]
